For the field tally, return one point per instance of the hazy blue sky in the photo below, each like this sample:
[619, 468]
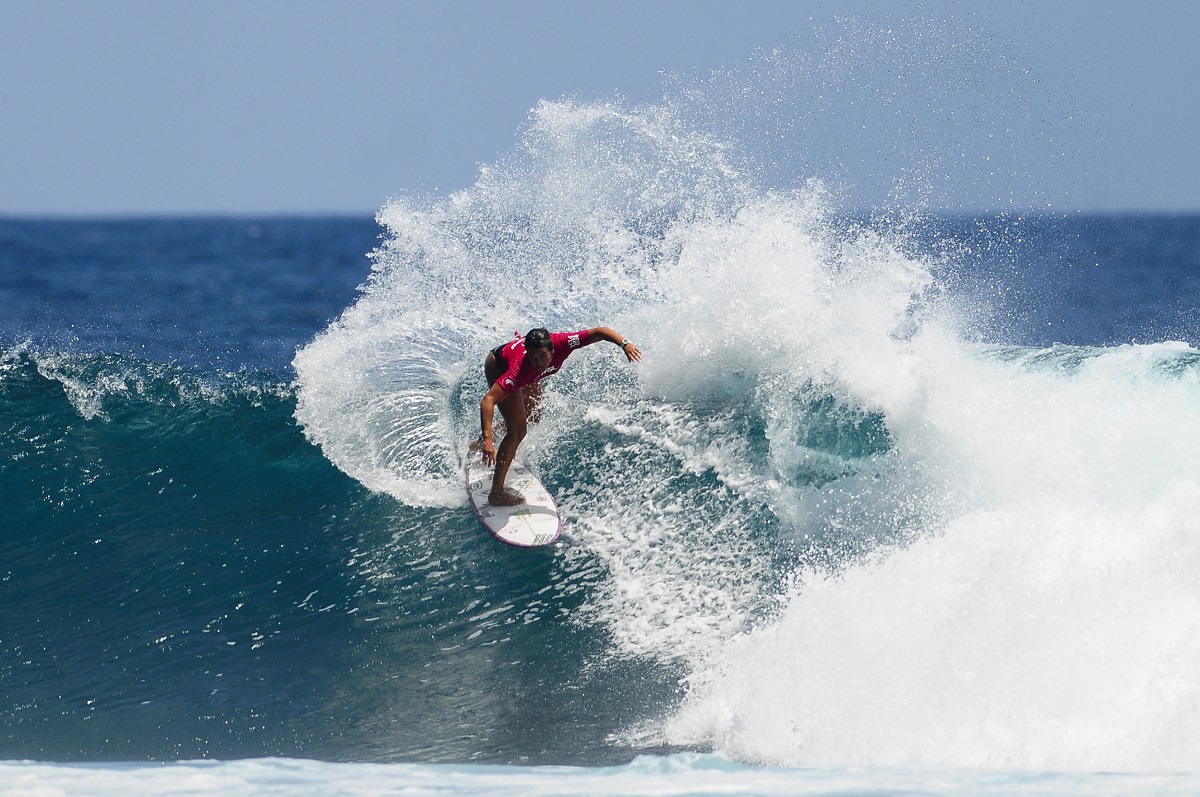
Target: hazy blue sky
[158, 106]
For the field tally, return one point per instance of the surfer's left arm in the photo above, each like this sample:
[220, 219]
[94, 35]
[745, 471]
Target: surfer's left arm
[487, 412]
[632, 353]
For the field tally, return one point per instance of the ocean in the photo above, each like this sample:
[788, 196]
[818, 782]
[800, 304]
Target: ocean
[900, 500]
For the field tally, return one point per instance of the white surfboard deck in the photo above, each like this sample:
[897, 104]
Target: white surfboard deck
[533, 523]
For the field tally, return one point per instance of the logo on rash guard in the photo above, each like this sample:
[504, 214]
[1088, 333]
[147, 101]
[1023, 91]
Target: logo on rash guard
[573, 340]
[508, 384]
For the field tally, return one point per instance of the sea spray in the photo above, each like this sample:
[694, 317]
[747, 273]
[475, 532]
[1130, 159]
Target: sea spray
[568, 233]
[745, 298]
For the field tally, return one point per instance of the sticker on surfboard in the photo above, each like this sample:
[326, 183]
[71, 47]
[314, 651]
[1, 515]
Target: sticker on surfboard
[533, 523]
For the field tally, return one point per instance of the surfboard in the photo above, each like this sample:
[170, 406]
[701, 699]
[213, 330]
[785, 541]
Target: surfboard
[533, 523]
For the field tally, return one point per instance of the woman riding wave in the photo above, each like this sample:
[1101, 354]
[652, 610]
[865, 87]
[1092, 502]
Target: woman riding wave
[514, 372]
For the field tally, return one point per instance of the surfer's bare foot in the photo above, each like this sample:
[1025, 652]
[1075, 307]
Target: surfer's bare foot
[505, 498]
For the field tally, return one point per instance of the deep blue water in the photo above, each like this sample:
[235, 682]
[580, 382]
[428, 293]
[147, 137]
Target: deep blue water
[212, 292]
[1078, 279]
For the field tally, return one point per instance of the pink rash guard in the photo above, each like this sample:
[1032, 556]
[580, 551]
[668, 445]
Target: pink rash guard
[519, 374]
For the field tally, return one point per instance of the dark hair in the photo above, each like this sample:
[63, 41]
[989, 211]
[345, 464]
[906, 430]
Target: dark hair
[538, 339]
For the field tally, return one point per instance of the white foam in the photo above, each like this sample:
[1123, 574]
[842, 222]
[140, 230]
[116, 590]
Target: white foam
[674, 776]
[1050, 621]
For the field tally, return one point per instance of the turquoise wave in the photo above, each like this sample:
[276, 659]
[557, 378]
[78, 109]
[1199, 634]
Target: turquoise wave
[187, 576]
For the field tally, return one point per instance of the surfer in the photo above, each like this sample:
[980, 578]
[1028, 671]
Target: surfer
[514, 371]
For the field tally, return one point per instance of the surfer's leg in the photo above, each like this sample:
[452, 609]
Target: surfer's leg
[512, 409]
[533, 400]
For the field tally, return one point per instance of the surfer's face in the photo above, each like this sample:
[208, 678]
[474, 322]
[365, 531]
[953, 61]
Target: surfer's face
[540, 358]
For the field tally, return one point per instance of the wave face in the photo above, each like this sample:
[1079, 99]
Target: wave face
[185, 576]
[173, 578]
